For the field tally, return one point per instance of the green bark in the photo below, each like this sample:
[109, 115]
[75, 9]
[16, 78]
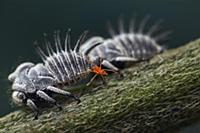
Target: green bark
[159, 95]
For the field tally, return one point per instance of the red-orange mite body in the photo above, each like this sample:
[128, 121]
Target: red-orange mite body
[97, 70]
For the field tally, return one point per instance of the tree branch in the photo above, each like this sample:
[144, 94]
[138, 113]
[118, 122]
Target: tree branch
[159, 95]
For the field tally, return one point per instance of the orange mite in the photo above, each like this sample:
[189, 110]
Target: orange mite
[98, 71]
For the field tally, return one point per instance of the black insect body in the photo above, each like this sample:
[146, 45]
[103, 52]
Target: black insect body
[125, 47]
[62, 67]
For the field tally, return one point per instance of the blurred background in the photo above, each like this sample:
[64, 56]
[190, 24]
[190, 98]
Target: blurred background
[22, 22]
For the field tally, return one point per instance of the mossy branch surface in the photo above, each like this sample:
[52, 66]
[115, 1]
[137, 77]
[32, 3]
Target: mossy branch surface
[159, 95]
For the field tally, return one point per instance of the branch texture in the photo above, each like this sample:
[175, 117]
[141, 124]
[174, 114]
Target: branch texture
[154, 96]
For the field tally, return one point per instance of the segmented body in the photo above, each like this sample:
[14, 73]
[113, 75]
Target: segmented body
[66, 65]
[123, 47]
[61, 67]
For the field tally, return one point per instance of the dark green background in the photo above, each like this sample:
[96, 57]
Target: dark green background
[24, 21]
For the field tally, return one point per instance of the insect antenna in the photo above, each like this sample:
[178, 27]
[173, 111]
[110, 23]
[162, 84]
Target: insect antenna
[80, 41]
[67, 41]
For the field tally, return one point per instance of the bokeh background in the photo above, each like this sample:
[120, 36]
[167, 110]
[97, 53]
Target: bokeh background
[24, 21]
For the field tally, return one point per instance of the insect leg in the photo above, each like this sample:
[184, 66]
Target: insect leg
[44, 96]
[33, 107]
[62, 92]
[130, 59]
[111, 67]
[46, 79]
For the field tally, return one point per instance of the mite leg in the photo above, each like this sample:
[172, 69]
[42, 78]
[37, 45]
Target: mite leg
[44, 96]
[103, 80]
[62, 92]
[91, 80]
[33, 107]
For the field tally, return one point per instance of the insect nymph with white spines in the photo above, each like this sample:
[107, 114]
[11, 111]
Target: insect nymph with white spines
[126, 47]
[60, 68]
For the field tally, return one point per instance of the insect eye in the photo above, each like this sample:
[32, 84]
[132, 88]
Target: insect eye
[21, 96]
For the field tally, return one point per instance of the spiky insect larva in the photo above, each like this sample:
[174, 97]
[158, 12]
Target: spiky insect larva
[62, 67]
[124, 47]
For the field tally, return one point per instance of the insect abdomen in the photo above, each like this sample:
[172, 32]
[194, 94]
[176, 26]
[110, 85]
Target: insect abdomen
[139, 46]
[67, 67]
